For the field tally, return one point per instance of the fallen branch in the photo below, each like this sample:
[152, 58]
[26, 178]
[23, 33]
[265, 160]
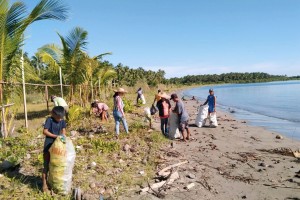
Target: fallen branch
[154, 186]
[205, 184]
[279, 186]
[170, 167]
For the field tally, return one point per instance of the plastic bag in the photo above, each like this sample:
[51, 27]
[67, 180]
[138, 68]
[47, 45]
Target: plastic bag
[173, 126]
[62, 159]
[153, 110]
[202, 115]
[147, 114]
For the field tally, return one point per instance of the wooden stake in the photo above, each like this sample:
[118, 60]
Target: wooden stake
[24, 91]
[61, 85]
[47, 97]
[3, 127]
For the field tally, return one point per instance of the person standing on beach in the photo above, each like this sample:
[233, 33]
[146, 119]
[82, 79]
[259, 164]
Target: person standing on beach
[182, 115]
[118, 111]
[139, 95]
[59, 101]
[211, 101]
[164, 107]
[157, 96]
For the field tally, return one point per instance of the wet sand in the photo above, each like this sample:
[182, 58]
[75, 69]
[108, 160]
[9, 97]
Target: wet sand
[232, 161]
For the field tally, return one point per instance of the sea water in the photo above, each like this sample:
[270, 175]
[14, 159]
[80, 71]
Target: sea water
[273, 105]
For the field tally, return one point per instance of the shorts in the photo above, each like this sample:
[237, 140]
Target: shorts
[183, 125]
[46, 157]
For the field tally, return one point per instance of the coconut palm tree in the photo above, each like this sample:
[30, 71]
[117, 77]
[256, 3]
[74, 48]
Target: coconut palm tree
[13, 23]
[76, 64]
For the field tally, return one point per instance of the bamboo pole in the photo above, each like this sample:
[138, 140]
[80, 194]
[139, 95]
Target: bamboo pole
[92, 89]
[81, 103]
[47, 97]
[61, 85]
[24, 91]
[3, 124]
[33, 84]
[99, 84]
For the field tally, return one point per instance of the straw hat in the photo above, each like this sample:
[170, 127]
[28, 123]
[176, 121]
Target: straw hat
[121, 90]
[164, 95]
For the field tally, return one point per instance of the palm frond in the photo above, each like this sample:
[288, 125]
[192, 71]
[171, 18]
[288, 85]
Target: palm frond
[15, 18]
[76, 40]
[48, 9]
[100, 56]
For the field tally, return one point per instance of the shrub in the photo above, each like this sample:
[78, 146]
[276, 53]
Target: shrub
[105, 146]
[75, 113]
[128, 107]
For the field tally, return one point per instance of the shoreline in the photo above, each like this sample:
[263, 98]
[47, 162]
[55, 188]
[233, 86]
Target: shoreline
[233, 161]
[255, 119]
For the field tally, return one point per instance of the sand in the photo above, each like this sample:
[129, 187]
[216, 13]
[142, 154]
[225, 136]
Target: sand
[228, 162]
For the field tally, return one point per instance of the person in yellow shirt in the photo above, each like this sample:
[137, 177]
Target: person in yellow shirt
[157, 96]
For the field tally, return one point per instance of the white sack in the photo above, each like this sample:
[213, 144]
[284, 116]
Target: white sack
[173, 126]
[213, 119]
[202, 115]
[143, 99]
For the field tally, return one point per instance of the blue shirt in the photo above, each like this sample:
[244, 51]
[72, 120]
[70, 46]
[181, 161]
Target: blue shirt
[55, 128]
[211, 102]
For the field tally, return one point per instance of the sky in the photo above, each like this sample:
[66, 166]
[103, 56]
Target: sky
[184, 37]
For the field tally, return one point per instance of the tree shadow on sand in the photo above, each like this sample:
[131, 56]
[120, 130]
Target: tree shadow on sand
[34, 182]
[32, 115]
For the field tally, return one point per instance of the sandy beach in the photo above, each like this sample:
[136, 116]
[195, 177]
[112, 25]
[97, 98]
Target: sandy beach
[232, 161]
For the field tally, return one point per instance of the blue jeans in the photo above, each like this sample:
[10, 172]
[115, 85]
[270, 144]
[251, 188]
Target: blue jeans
[118, 117]
[164, 125]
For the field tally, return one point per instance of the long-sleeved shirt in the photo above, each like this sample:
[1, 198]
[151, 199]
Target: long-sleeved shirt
[58, 101]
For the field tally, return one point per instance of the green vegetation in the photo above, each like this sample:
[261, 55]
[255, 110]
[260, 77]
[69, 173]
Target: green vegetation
[229, 78]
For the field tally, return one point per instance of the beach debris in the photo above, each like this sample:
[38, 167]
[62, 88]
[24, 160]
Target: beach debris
[28, 156]
[92, 185]
[73, 133]
[206, 185]
[173, 154]
[279, 137]
[296, 153]
[126, 147]
[90, 136]
[142, 173]
[282, 151]
[189, 186]
[244, 197]
[191, 176]
[144, 161]
[262, 164]
[92, 165]
[255, 138]
[170, 167]
[78, 147]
